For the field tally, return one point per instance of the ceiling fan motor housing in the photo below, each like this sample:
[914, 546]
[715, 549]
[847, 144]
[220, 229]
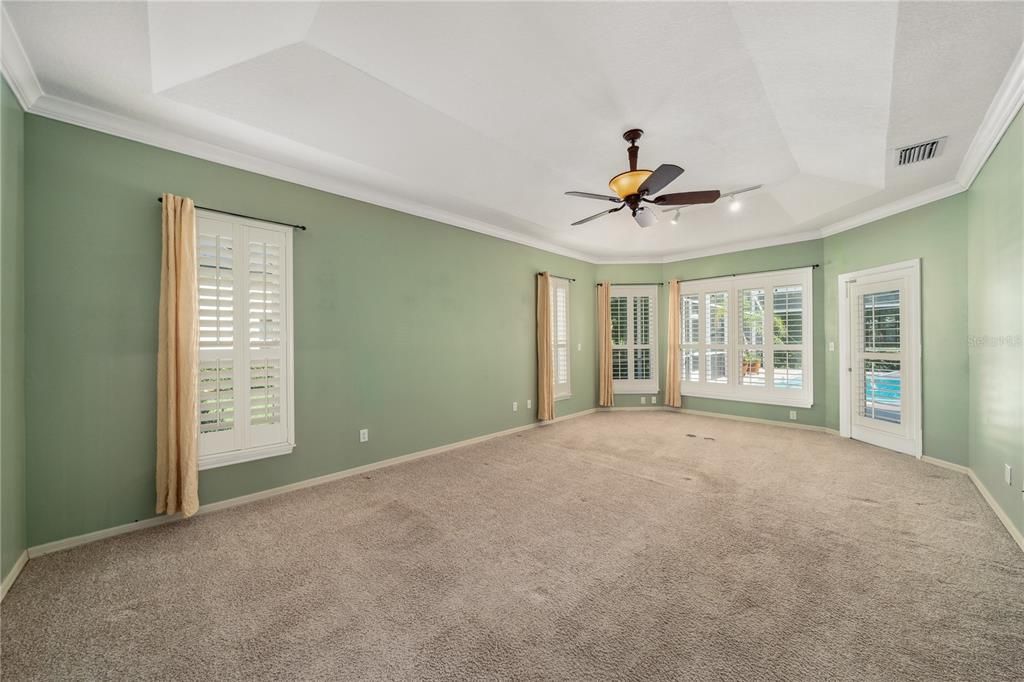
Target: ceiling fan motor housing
[637, 185]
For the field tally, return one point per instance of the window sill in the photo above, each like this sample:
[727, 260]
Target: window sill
[223, 459]
[782, 400]
[563, 397]
[636, 389]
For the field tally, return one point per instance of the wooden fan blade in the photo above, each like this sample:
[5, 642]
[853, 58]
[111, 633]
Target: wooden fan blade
[589, 195]
[598, 215]
[708, 196]
[659, 179]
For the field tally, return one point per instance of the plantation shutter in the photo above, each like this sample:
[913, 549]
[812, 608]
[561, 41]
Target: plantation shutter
[634, 338]
[560, 336]
[748, 338]
[265, 322]
[217, 319]
[244, 340]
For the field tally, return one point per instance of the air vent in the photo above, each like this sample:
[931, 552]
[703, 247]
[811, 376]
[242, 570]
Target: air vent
[922, 151]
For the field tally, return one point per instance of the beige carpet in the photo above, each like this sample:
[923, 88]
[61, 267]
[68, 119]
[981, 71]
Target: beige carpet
[611, 546]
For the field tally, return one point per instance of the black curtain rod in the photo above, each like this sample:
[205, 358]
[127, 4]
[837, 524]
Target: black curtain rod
[571, 279]
[740, 274]
[242, 215]
[634, 284]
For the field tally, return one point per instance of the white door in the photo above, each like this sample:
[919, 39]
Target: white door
[881, 357]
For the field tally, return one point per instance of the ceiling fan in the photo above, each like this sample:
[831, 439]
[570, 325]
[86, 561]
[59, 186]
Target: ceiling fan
[635, 187]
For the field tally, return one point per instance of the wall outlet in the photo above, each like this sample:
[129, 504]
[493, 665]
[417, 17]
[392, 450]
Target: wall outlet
[792, 415]
[364, 435]
[515, 407]
[1008, 474]
[831, 346]
[579, 346]
[529, 403]
[654, 399]
[643, 400]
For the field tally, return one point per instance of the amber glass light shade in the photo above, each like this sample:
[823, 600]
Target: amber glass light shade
[627, 183]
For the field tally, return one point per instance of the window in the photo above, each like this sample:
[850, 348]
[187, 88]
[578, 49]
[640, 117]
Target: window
[560, 336]
[748, 338]
[635, 339]
[245, 340]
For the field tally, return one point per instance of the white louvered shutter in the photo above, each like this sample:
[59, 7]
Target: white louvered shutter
[265, 311]
[244, 340]
[634, 338]
[218, 430]
[560, 336]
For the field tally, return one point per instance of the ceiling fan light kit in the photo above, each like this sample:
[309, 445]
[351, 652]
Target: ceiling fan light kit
[636, 187]
[629, 182]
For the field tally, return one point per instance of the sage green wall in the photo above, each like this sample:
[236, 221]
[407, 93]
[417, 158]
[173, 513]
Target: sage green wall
[421, 332]
[995, 321]
[12, 339]
[781, 257]
[937, 234]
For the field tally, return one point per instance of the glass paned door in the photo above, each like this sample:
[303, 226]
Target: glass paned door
[879, 381]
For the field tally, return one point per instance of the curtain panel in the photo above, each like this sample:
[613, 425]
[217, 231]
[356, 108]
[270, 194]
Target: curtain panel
[177, 424]
[606, 388]
[672, 397]
[545, 371]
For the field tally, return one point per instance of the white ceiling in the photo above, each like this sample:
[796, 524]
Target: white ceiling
[483, 114]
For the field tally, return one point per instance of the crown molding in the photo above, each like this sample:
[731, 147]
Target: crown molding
[22, 79]
[946, 189]
[15, 64]
[1000, 115]
[745, 245]
[85, 116]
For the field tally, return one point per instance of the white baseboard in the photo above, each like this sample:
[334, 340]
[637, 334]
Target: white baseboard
[13, 574]
[959, 468]
[754, 420]
[1011, 529]
[68, 543]
[77, 540]
[985, 494]
[632, 408]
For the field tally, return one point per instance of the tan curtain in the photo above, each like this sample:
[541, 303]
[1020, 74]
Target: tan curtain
[672, 397]
[177, 443]
[606, 389]
[545, 372]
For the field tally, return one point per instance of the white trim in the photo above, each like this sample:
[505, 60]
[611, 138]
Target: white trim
[734, 247]
[75, 541]
[756, 420]
[932, 194]
[959, 468]
[985, 494]
[1001, 112]
[85, 116]
[723, 415]
[1000, 514]
[634, 408]
[915, 353]
[16, 66]
[13, 574]
[223, 459]
[18, 69]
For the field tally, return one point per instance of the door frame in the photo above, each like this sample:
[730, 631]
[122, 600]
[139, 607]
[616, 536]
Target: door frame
[910, 329]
